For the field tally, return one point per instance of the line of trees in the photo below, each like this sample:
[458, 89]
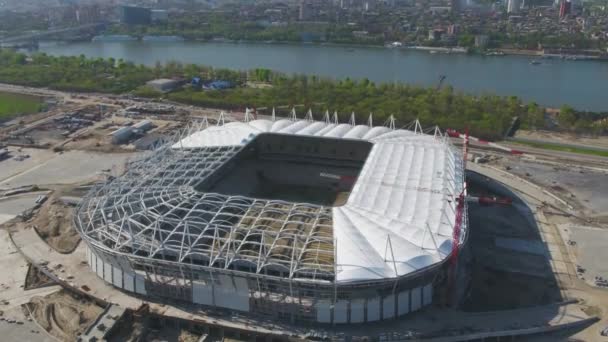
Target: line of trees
[209, 26]
[487, 115]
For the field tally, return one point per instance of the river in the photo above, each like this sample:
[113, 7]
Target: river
[581, 84]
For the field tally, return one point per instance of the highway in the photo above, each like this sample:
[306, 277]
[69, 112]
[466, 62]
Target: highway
[569, 145]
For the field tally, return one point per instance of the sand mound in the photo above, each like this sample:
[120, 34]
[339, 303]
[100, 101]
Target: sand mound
[62, 315]
[54, 225]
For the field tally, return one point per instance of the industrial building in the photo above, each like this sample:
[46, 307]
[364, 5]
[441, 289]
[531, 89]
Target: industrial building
[310, 222]
[121, 135]
[127, 133]
[164, 85]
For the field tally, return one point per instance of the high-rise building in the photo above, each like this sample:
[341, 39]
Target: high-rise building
[158, 15]
[452, 30]
[305, 10]
[513, 6]
[133, 15]
[88, 14]
[565, 8]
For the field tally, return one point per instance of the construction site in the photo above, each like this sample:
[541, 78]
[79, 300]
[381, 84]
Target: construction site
[249, 226]
[91, 127]
[230, 206]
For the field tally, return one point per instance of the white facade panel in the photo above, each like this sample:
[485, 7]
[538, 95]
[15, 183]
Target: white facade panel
[231, 293]
[427, 295]
[340, 312]
[140, 284]
[403, 304]
[230, 299]
[357, 311]
[124, 264]
[388, 307]
[416, 298]
[373, 309]
[323, 312]
[202, 293]
[99, 265]
[224, 282]
[117, 277]
[241, 285]
[107, 272]
[128, 281]
[92, 260]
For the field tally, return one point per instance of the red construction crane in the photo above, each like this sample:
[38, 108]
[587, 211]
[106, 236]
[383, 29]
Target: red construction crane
[460, 207]
[490, 200]
[455, 134]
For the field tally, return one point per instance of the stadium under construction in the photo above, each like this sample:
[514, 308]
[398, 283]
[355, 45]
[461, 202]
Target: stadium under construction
[295, 219]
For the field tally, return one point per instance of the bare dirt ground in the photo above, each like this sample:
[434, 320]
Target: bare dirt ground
[172, 335]
[135, 328]
[97, 137]
[63, 315]
[127, 330]
[563, 138]
[54, 225]
[94, 141]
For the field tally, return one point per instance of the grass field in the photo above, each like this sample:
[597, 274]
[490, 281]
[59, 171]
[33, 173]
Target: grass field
[564, 148]
[12, 105]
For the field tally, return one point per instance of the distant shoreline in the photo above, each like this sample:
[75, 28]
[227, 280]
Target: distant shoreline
[430, 49]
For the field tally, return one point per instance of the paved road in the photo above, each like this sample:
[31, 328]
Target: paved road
[569, 145]
[26, 332]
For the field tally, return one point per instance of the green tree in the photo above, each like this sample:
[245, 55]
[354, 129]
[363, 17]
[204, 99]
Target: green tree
[566, 117]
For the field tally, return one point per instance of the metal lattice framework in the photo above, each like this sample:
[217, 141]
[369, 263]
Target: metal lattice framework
[153, 211]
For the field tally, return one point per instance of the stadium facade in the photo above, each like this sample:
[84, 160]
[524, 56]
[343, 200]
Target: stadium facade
[301, 220]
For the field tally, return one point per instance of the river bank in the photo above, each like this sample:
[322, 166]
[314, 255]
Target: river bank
[553, 83]
[581, 55]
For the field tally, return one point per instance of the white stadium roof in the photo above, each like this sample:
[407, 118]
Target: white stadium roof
[401, 213]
